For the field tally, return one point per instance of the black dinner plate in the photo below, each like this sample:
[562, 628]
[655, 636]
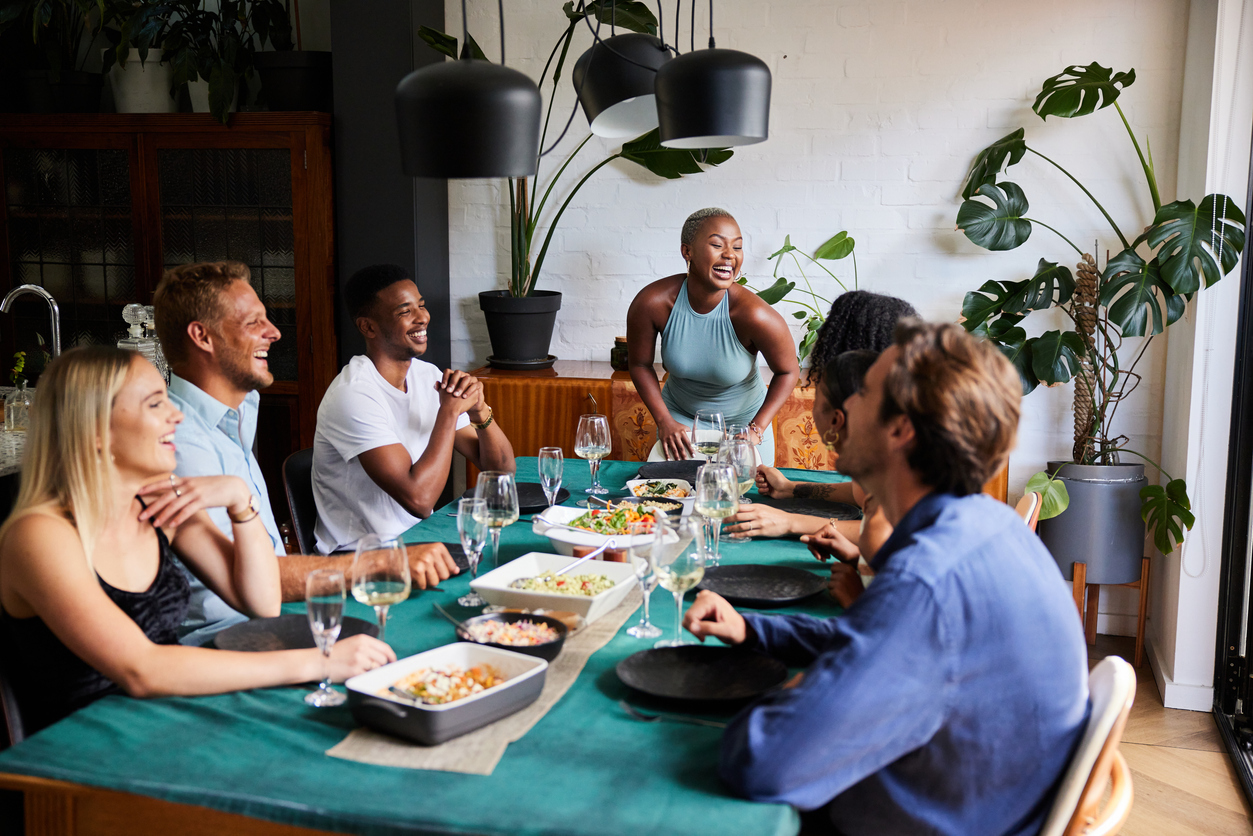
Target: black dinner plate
[701, 673]
[812, 507]
[762, 587]
[531, 499]
[685, 470]
[284, 632]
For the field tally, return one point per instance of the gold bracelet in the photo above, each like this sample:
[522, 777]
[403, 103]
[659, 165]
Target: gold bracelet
[487, 423]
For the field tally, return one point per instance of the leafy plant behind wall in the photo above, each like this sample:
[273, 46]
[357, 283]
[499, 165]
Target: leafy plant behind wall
[646, 151]
[1141, 291]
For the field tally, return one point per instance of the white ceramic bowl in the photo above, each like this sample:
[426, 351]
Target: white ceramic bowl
[373, 705]
[564, 540]
[495, 585]
[687, 501]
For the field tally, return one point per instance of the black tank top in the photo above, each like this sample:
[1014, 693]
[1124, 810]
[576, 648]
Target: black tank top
[50, 682]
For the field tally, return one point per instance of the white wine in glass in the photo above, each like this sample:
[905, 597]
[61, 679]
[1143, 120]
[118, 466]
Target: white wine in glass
[707, 433]
[380, 575]
[592, 442]
[717, 489]
[679, 566]
[499, 493]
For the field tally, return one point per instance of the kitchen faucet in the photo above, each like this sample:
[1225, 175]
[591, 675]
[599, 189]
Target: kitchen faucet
[36, 290]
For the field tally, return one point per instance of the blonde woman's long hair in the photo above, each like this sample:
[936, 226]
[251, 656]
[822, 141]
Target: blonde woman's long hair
[66, 466]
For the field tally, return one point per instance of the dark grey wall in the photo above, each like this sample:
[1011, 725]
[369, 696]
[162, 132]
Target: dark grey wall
[381, 214]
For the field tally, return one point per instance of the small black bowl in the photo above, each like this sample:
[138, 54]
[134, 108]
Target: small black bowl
[547, 652]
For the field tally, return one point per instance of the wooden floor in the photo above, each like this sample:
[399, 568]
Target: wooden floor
[1184, 782]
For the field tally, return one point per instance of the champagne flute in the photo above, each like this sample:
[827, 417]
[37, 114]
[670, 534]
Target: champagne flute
[679, 563]
[738, 452]
[550, 466]
[716, 492]
[500, 505]
[707, 432]
[472, 529]
[324, 604]
[591, 442]
[644, 538]
[380, 575]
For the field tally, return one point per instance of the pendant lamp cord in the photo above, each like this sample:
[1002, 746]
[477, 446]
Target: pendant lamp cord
[500, 5]
[692, 29]
[711, 23]
[578, 91]
[678, 7]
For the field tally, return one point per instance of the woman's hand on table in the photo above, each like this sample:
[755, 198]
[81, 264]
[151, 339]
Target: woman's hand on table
[711, 615]
[173, 500]
[357, 654]
[676, 444]
[829, 543]
[771, 482]
[760, 520]
[430, 563]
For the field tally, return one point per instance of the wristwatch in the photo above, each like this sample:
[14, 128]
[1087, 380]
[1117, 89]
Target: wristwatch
[254, 509]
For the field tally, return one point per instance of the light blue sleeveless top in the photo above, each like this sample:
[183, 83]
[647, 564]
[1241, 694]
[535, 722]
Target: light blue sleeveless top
[708, 365]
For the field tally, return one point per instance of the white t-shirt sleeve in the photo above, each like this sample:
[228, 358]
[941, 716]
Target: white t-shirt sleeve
[353, 423]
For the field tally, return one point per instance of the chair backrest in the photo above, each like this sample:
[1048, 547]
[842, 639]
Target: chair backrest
[1029, 509]
[298, 484]
[14, 730]
[1097, 762]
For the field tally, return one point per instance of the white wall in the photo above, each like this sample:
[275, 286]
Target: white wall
[877, 110]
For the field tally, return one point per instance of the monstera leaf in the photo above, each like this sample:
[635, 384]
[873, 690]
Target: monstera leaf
[837, 247]
[447, 44]
[1197, 241]
[1078, 90]
[1135, 294]
[1055, 356]
[1051, 285]
[1019, 350]
[628, 14]
[992, 161]
[1054, 498]
[999, 227]
[773, 294]
[988, 301]
[671, 163]
[1167, 511]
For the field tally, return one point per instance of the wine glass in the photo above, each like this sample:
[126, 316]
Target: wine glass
[716, 492]
[550, 466]
[500, 505]
[707, 432]
[644, 538]
[591, 442]
[472, 529]
[380, 575]
[324, 604]
[679, 563]
[738, 452]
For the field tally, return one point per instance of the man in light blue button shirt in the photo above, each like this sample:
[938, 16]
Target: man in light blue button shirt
[216, 336]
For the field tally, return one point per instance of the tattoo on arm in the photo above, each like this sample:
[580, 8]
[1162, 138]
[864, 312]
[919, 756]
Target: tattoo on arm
[815, 490]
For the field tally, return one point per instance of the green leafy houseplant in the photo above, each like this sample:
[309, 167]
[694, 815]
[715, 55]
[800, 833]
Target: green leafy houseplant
[814, 307]
[1140, 292]
[62, 28]
[524, 209]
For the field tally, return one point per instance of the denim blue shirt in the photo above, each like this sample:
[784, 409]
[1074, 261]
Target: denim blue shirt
[215, 440]
[948, 699]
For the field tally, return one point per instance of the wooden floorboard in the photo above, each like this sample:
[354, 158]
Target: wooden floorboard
[1184, 782]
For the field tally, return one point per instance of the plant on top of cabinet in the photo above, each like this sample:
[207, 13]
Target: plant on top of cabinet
[1141, 291]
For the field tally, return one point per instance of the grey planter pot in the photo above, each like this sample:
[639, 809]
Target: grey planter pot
[1102, 526]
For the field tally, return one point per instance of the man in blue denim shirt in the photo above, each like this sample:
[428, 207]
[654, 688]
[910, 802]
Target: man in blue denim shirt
[951, 695]
[216, 336]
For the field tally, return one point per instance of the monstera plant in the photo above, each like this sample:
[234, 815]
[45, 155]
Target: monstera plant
[1138, 293]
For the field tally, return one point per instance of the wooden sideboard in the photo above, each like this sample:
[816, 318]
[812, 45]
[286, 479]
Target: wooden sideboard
[542, 408]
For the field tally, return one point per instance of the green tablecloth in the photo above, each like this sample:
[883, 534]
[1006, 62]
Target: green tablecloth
[585, 767]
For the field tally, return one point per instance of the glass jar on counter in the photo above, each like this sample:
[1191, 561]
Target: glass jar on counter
[618, 354]
[17, 409]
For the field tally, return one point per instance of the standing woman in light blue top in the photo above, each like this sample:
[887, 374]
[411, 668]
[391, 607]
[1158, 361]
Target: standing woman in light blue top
[712, 330]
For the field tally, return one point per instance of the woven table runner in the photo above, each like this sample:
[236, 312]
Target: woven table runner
[478, 752]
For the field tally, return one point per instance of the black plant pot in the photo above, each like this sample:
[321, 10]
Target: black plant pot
[520, 327]
[296, 79]
[1102, 526]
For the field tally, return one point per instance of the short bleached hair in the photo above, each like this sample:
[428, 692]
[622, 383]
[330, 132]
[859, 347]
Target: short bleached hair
[694, 220]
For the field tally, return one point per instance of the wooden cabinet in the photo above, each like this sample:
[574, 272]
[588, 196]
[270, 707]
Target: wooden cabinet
[97, 206]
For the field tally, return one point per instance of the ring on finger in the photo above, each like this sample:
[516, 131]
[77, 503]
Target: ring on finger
[178, 493]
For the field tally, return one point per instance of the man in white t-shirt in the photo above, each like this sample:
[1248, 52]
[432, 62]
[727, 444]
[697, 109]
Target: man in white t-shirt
[389, 422]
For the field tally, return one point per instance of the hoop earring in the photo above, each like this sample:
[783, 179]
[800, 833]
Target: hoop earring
[830, 445]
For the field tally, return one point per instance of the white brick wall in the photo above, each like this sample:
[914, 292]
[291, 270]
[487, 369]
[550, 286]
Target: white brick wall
[877, 111]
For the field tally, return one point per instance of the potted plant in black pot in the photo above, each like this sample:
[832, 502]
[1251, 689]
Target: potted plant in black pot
[520, 319]
[63, 31]
[292, 78]
[1097, 504]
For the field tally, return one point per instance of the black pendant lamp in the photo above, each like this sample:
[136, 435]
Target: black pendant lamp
[468, 118]
[614, 81]
[714, 98]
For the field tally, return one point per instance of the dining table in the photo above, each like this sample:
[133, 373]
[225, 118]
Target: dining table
[192, 764]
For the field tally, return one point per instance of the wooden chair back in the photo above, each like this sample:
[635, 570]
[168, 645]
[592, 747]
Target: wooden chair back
[1097, 763]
